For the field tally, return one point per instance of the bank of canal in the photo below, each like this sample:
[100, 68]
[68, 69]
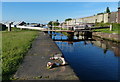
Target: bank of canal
[91, 60]
[108, 36]
[34, 66]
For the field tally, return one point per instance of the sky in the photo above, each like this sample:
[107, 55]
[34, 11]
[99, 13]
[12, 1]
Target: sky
[43, 12]
[59, 0]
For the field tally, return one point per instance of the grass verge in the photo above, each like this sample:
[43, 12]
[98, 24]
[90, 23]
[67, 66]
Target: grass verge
[14, 46]
[115, 29]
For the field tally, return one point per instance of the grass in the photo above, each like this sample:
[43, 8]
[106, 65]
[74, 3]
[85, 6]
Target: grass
[116, 29]
[14, 46]
[59, 28]
[107, 30]
[0, 54]
[101, 24]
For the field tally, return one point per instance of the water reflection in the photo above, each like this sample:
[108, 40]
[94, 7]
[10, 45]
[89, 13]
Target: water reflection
[107, 45]
[96, 41]
[91, 58]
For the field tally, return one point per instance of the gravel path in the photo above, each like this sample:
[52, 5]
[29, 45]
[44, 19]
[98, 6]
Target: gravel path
[34, 63]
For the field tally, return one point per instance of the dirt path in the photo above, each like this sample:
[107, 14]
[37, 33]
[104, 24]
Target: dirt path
[34, 63]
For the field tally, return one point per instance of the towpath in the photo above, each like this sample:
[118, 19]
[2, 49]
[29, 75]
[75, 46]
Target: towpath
[34, 63]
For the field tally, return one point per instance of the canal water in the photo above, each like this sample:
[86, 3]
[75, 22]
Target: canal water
[91, 59]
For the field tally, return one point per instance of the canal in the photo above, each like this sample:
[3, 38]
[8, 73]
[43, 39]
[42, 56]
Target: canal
[90, 58]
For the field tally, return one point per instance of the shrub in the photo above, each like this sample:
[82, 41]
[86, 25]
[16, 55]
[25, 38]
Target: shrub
[2, 27]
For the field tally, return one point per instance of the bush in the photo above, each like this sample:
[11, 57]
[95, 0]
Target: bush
[116, 26]
[102, 24]
[2, 27]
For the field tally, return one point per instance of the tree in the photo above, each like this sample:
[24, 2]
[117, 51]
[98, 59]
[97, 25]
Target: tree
[55, 23]
[28, 23]
[57, 20]
[107, 10]
[22, 23]
[50, 23]
[68, 19]
[100, 13]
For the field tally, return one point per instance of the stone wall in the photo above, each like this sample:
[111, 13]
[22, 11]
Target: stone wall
[119, 15]
[112, 17]
[91, 19]
[114, 37]
[105, 18]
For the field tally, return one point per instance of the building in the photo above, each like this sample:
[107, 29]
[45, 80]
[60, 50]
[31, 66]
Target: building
[104, 17]
[112, 17]
[119, 12]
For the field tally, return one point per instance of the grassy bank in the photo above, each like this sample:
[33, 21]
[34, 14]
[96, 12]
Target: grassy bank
[59, 28]
[14, 46]
[116, 28]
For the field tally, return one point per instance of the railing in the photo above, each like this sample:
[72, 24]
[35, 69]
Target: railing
[34, 28]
